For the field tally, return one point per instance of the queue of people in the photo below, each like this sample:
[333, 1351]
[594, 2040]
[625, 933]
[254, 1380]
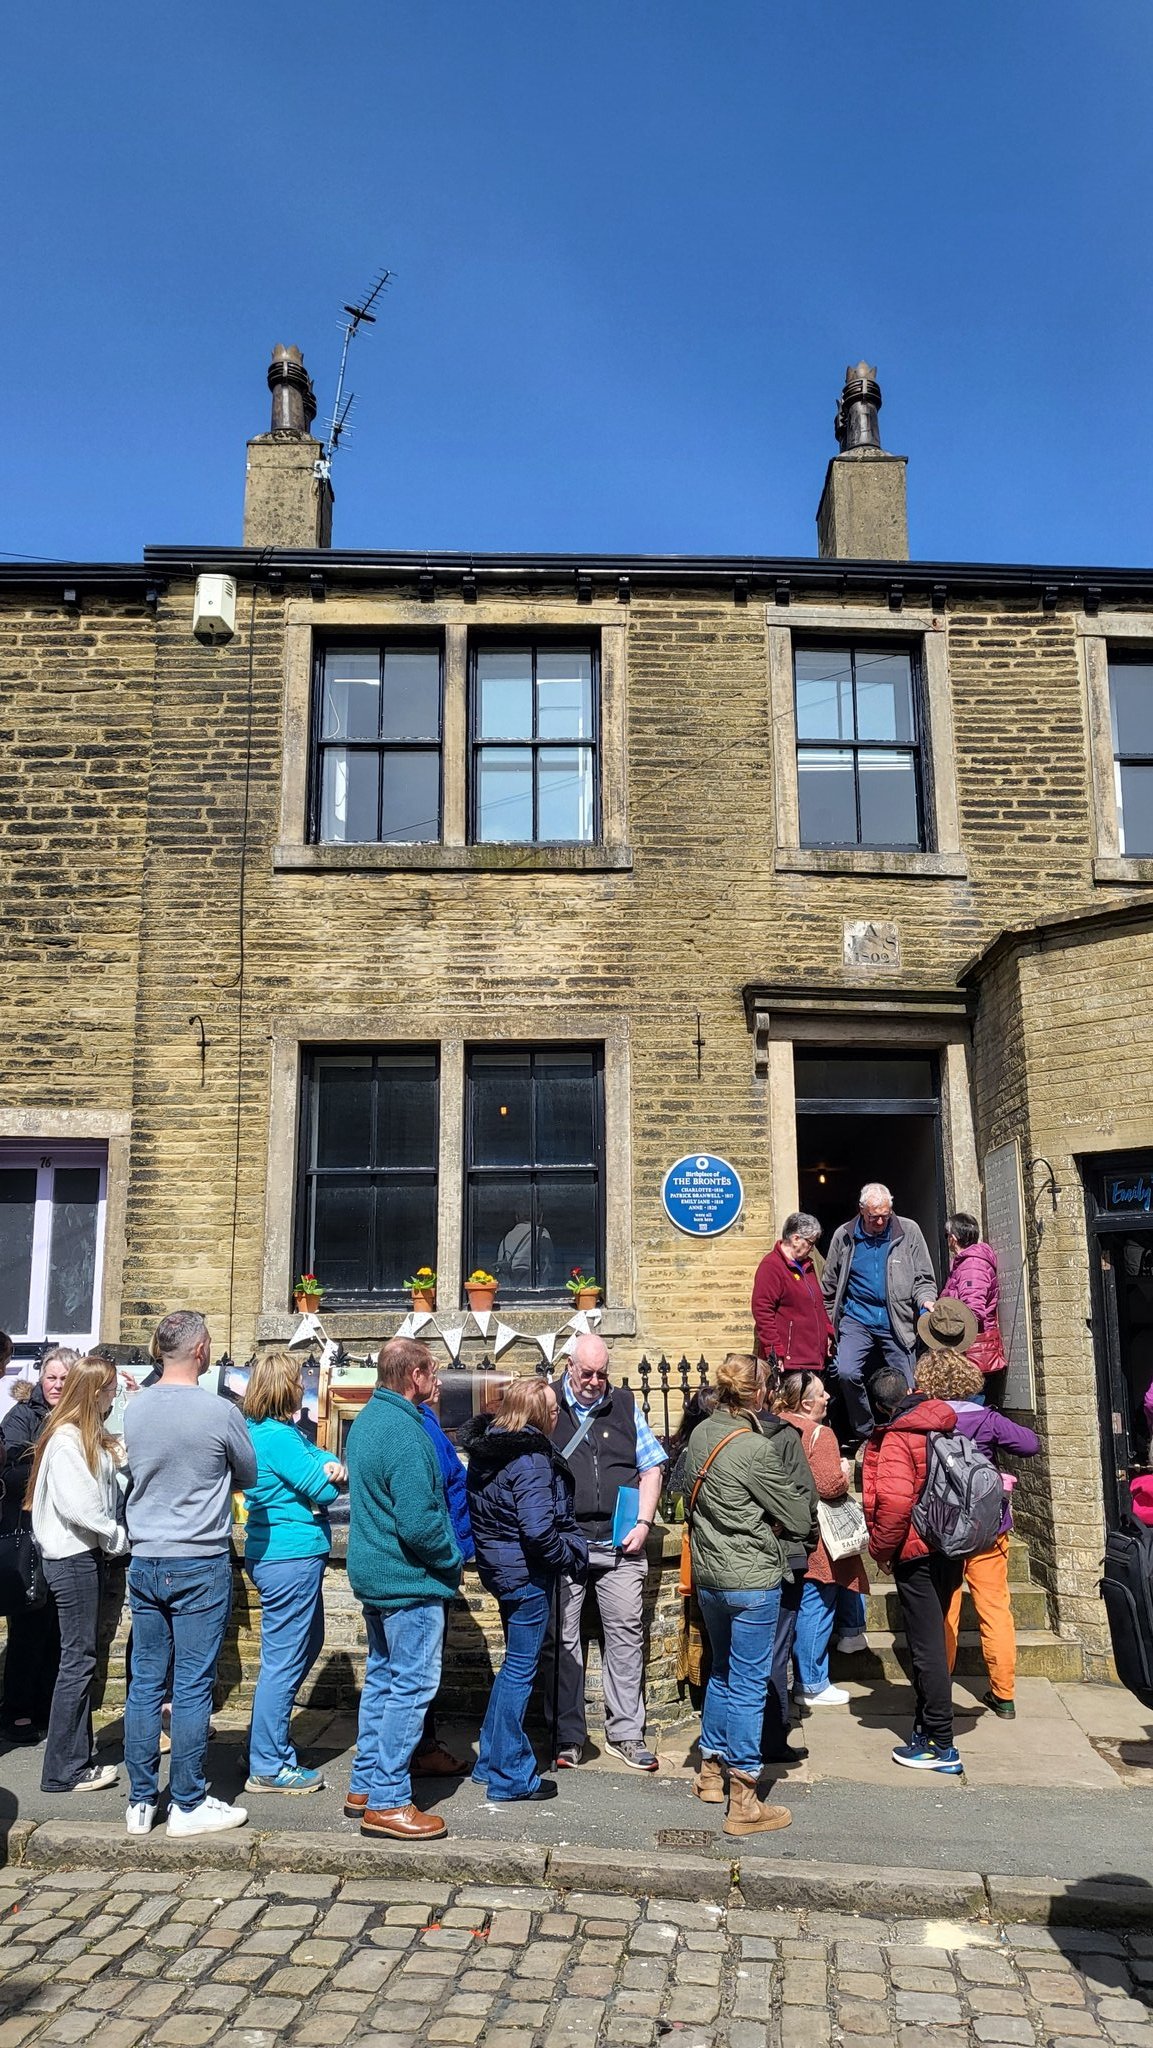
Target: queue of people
[555, 1495]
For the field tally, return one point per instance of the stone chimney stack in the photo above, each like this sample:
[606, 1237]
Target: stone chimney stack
[286, 504]
[862, 513]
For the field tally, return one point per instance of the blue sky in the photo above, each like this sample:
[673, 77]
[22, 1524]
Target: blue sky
[634, 244]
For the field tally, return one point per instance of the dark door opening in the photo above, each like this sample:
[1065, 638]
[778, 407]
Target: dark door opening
[1120, 1207]
[869, 1116]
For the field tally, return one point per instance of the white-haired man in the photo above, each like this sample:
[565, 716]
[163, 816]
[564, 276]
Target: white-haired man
[608, 1445]
[878, 1279]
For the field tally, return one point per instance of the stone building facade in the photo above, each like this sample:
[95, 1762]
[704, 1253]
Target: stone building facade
[701, 936]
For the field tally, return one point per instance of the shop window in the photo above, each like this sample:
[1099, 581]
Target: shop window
[377, 746]
[859, 775]
[368, 1196]
[534, 744]
[1131, 724]
[534, 1165]
[52, 1207]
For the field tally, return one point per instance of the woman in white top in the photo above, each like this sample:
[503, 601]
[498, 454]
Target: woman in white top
[73, 1495]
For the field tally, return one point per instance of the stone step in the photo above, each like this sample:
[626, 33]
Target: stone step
[1030, 1607]
[1040, 1654]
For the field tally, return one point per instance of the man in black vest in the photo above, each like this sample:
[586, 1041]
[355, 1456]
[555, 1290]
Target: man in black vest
[609, 1445]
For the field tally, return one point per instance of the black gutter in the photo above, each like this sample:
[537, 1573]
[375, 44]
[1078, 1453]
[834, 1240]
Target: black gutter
[109, 579]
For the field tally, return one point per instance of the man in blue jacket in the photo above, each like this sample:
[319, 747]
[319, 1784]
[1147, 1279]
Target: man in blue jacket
[404, 1566]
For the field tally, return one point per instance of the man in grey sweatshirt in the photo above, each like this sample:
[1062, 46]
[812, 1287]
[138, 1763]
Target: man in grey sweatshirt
[186, 1453]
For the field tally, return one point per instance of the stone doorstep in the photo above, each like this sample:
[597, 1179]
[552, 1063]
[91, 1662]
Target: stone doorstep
[955, 1895]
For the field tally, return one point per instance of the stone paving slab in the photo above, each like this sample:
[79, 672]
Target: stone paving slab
[295, 1959]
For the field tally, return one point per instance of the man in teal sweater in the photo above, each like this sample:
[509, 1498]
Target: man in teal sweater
[404, 1567]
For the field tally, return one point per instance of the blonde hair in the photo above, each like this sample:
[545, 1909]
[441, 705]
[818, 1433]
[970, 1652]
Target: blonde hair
[79, 1406]
[790, 1395]
[524, 1405]
[948, 1376]
[740, 1382]
[275, 1386]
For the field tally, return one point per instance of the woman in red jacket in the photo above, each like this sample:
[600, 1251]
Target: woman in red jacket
[789, 1311]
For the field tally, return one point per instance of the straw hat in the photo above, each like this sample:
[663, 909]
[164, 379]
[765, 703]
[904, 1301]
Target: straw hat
[947, 1326]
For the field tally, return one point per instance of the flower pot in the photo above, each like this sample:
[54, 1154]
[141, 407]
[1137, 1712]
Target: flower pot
[424, 1298]
[587, 1297]
[307, 1303]
[480, 1298]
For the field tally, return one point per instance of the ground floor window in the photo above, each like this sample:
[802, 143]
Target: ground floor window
[369, 1172]
[534, 1136]
[52, 1204]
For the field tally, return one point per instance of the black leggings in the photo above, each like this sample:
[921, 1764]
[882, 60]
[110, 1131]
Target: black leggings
[924, 1588]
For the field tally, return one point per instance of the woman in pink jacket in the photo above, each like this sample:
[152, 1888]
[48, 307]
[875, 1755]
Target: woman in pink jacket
[973, 1273]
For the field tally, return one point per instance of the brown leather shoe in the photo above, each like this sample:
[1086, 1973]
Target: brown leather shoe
[438, 1762]
[354, 1805]
[402, 1823]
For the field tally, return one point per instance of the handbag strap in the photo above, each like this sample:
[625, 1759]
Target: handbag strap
[699, 1482]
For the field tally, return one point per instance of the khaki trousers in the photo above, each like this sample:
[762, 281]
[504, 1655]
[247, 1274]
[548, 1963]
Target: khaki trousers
[619, 1594]
[987, 1577]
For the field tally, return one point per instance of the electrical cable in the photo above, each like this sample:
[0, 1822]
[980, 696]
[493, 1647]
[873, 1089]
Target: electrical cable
[260, 564]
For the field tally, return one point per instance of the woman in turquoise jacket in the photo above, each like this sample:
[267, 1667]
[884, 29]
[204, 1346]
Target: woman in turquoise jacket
[286, 1548]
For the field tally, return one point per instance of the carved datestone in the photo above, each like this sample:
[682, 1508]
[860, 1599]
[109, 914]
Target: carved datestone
[872, 943]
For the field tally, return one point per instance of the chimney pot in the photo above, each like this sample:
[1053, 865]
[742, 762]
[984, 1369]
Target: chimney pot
[862, 514]
[287, 495]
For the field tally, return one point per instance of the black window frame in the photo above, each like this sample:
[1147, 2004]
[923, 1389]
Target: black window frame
[1131, 657]
[890, 644]
[304, 1222]
[479, 642]
[531, 1173]
[425, 642]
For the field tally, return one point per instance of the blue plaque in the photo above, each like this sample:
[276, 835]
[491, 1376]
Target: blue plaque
[702, 1194]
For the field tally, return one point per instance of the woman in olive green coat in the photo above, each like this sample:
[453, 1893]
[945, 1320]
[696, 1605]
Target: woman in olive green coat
[747, 1513]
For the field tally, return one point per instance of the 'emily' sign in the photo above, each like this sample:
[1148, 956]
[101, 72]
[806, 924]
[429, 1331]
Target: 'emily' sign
[702, 1195]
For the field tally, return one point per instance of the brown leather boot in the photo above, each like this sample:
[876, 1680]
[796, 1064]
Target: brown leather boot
[709, 1781]
[354, 1805]
[746, 1815]
[401, 1823]
[438, 1762]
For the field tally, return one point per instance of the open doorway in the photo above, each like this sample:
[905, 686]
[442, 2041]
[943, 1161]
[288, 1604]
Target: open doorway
[1121, 1212]
[865, 1116]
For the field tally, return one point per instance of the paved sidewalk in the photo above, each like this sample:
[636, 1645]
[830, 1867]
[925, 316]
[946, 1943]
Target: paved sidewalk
[156, 1957]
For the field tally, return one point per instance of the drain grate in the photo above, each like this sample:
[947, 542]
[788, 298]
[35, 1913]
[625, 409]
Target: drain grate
[686, 1838]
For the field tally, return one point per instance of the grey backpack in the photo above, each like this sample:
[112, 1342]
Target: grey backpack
[963, 1500]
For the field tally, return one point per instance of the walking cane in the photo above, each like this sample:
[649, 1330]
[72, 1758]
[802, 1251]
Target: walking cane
[555, 1670]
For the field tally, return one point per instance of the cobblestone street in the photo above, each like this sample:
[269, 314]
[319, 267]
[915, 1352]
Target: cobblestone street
[220, 1957]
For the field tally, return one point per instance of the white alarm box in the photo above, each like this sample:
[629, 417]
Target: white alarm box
[214, 608]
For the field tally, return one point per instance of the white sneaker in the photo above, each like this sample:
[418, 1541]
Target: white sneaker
[97, 1778]
[831, 1696]
[850, 1645]
[139, 1818]
[209, 1818]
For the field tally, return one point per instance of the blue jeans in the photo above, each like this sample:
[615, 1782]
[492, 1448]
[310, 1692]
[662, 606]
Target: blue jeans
[291, 1639]
[859, 1349]
[180, 1609]
[742, 1628]
[850, 1612]
[814, 1634]
[778, 1707]
[505, 1759]
[400, 1681]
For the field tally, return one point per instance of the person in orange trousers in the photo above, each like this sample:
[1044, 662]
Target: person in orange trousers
[949, 1376]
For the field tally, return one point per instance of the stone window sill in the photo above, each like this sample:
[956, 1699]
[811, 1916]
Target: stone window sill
[1119, 869]
[599, 859]
[357, 1327]
[928, 867]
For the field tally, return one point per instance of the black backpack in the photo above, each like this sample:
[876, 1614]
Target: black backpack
[1127, 1590]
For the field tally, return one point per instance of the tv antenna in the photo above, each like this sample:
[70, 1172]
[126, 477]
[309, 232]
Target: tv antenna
[358, 316]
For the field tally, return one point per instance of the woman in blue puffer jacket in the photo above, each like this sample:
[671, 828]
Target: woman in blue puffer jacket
[520, 1498]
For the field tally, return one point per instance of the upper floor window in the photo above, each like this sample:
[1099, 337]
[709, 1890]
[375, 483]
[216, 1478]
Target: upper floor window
[534, 743]
[858, 746]
[534, 1145]
[377, 753]
[52, 1203]
[367, 1214]
[1131, 716]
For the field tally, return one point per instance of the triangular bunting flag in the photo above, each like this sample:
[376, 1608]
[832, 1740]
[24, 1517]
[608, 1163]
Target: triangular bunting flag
[502, 1338]
[546, 1343]
[481, 1317]
[575, 1322]
[594, 1315]
[405, 1329]
[418, 1319]
[306, 1329]
[328, 1355]
[566, 1347]
[580, 1323]
[452, 1339]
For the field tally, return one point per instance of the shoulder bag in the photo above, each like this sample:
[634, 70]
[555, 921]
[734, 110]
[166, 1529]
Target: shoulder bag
[22, 1582]
[844, 1530]
[686, 1579]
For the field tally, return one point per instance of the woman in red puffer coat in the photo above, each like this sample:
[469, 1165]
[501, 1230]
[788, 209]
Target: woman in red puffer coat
[789, 1313]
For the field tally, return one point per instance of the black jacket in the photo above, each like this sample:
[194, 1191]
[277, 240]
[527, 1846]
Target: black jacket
[520, 1502]
[19, 1430]
[604, 1462]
